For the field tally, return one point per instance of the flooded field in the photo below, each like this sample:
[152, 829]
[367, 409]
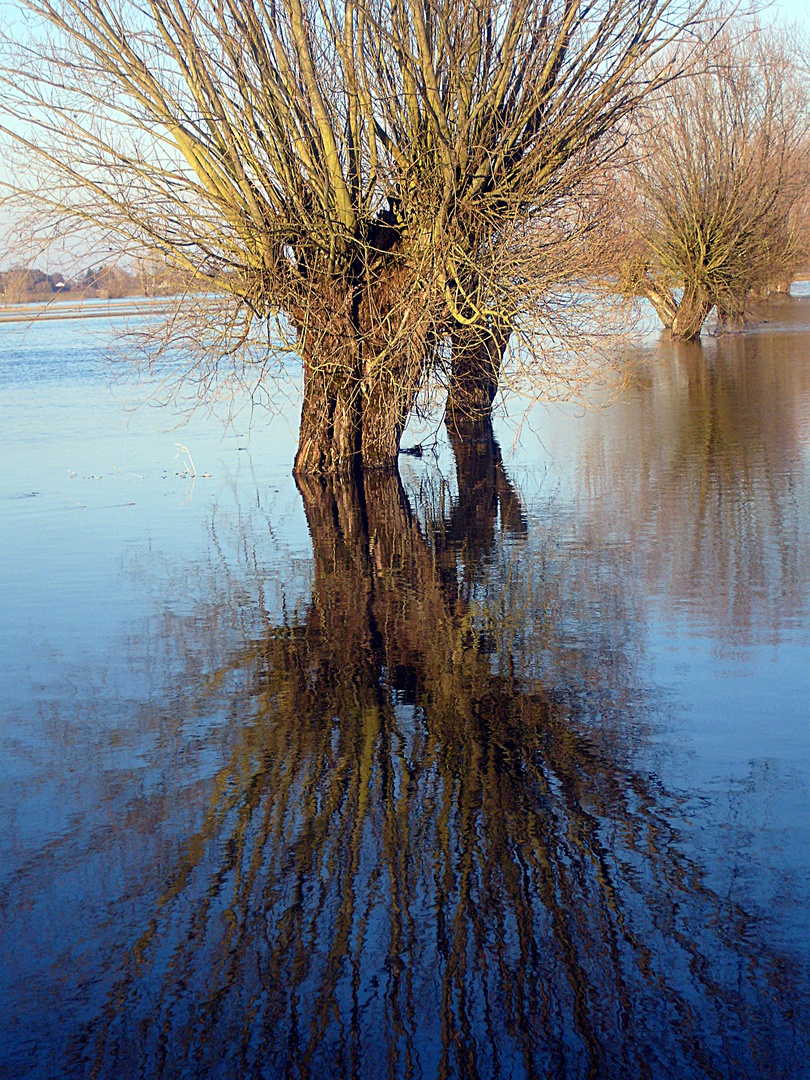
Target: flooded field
[502, 770]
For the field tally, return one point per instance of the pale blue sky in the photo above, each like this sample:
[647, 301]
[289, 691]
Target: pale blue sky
[794, 10]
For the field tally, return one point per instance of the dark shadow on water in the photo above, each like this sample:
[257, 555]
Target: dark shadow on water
[426, 857]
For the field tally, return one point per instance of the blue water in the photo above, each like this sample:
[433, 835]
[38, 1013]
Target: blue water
[499, 771]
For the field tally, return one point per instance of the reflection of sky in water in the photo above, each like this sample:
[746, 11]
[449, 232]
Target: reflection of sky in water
[658, 593]
[88, 483]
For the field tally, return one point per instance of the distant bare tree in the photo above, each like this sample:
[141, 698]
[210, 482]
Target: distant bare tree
[719, 172]
[382, 177]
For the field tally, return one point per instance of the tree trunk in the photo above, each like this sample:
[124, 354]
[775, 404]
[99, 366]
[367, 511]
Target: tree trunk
[663, 303]
[392, 372]
[329, 439]
[475, 359]
[693, 311]
[360, 381]
[636, 280]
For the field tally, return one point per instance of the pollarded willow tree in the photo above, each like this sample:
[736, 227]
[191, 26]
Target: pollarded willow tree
[398, 182]
[719, 177]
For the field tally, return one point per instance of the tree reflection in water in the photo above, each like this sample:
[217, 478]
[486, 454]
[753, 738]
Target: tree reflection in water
[699, 473]
[426, 856]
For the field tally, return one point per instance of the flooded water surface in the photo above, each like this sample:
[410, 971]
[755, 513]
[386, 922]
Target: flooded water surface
[499, 768]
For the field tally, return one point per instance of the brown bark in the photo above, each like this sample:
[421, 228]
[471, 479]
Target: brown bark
[475, 364]
[360, 380]
[331, 412]
[329, 436]
[393, 365]
[693, 311]
[349, 422]
[663, 303]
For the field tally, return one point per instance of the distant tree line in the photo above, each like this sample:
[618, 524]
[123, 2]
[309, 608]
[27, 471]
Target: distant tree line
[22, 284]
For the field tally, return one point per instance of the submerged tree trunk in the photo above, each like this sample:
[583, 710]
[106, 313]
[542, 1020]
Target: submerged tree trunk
[331, 413]
[475, 364]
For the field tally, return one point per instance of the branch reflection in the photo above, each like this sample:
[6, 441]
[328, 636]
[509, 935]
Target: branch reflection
[423, 856]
